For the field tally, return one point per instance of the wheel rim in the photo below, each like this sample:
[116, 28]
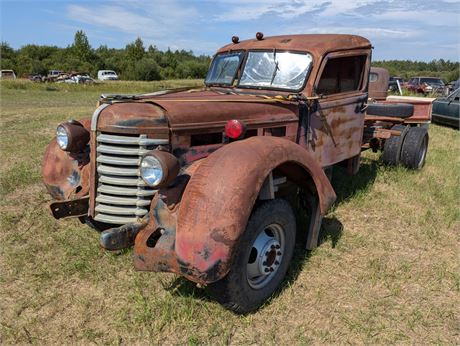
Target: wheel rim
[422, 153]
[266, 256]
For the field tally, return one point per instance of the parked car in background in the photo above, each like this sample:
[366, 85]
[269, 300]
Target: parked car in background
[453, 85]
[446, 109]
[393, 83]
[7, 74]
[426, 85]
[76, 78]
[54, 73]
[35, 77]
[107, 75]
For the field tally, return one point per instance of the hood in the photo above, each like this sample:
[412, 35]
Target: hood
[209, 109]
[193, 110]
[130, 117]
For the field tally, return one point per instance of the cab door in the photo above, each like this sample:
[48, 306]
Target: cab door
[336, 119]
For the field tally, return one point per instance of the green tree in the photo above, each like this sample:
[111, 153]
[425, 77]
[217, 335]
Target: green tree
[135, 51]
[81, 47]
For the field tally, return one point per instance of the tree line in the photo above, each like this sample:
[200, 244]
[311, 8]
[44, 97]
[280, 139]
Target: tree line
[136, 62]
[444, 69]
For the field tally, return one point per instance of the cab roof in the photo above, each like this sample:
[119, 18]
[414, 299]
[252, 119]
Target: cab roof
[316, 44]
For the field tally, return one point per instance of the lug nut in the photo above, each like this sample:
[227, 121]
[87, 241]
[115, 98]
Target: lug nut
[273, 246]
[279, 253]
[264, 263]
[267, 270]
[271, 269]
[276, 262]
[267, 253]
[277, 247]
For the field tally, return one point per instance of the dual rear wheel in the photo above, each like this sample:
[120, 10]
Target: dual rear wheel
[408, 149]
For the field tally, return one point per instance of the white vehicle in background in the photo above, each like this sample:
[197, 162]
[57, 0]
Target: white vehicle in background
[7, 74]
[107, 75]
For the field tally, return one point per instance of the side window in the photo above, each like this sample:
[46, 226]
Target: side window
[342, 75]
[373, 77]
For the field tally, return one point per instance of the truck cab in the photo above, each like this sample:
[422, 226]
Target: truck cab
[200, 181]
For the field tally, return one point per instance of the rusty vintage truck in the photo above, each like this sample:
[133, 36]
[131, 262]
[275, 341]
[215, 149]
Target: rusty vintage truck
[201, 181]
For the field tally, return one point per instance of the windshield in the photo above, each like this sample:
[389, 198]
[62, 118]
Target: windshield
[431, 81]
[276, 70]
[223, 68]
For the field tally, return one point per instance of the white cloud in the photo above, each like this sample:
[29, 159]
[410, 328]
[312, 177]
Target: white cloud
[146, 19]
[253, 9]
[370, 32]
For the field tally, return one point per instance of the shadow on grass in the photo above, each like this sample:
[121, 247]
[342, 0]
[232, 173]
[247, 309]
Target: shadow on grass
[345, 187]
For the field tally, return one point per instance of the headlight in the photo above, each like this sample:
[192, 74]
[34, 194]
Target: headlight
[62, 137]
[159, 168]
[72, 136]
[151, 170]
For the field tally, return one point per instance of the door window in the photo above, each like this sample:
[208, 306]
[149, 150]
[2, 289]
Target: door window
[342, 74]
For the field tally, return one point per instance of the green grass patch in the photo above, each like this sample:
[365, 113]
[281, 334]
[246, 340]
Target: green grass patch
[387, 269]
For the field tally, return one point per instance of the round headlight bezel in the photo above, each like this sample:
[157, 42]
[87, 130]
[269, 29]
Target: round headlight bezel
[150, 164]
[72, 136]
[60, 132]
[168, 163]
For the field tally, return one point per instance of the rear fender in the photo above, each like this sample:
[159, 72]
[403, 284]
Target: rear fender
[220, 196]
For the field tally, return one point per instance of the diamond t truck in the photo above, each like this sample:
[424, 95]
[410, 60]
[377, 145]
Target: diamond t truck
[201, 182]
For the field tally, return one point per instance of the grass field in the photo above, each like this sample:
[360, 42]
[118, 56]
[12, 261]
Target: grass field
[387, 270]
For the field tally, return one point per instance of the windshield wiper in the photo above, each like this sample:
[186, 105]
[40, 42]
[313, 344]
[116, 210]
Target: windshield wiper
[276, 67]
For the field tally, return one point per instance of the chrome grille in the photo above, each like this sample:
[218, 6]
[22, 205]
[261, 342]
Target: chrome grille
[122, 196]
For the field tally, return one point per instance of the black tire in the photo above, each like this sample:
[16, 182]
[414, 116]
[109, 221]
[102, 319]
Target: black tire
[415, 147]
[239, 292]
[394, 110]
[393, 145]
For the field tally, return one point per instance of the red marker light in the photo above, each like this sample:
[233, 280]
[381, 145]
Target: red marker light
[234, 129]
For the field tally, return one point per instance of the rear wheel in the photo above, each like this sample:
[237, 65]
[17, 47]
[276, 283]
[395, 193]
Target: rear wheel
[415, 147]
[261, 259]
[393, 145]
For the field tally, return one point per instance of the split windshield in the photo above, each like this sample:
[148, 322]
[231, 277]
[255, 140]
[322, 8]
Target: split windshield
[223, 68]
[276, 70]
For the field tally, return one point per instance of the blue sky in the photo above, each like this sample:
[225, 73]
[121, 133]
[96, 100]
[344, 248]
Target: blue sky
[412, 29]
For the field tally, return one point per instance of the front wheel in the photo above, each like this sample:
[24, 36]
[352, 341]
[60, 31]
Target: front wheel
[261, 260]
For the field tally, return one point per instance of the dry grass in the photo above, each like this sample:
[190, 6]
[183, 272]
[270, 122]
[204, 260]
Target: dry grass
[387, 270]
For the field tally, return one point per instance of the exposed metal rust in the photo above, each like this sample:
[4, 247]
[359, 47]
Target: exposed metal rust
[378, 88]
[70, 208]
[220, 195]
[66, 175]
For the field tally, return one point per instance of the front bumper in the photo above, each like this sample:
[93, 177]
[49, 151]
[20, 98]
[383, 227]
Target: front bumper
[70, 208]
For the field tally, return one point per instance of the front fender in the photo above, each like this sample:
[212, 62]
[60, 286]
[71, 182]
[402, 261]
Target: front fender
[219, 198]
[65, 175]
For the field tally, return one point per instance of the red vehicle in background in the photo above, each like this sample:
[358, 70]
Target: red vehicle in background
[425, 85]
